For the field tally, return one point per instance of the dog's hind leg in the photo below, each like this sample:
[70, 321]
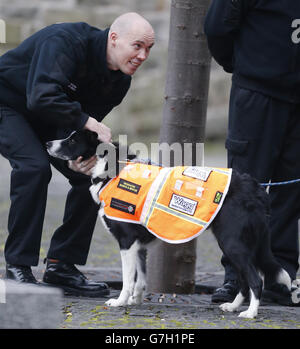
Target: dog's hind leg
[140, 284]
[129, 266]
[248, 279]
[255, 284]
[251, 312]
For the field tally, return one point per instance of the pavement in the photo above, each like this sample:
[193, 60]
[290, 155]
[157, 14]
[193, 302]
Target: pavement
[168, 311]
[159, 312]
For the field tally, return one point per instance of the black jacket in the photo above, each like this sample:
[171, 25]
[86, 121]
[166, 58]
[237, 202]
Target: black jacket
[58, 77]
[253, 40]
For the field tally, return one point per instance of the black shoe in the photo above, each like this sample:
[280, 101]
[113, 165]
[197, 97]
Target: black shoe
[20, 273]
[280, 294]
[72, 281]
[226, 293]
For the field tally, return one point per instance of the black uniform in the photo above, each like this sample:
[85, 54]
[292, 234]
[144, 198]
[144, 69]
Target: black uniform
[49, 86]
[255, 41]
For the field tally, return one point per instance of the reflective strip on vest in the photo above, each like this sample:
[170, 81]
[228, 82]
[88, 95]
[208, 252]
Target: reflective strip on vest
[175, 204]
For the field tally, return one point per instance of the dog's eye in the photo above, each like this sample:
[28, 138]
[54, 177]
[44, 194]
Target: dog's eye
[72, 141]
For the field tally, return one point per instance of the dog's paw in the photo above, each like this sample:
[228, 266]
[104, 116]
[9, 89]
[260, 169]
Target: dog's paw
[296, 296]
[228, 307]
[115, 303]
[248, 314]
[135, 300]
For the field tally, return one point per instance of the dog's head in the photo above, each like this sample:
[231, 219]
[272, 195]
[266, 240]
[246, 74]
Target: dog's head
[112, 158]
[80, 143]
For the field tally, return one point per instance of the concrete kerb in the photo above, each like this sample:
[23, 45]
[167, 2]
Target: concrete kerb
[28, 306]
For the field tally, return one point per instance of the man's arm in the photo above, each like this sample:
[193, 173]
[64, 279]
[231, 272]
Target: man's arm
[222, 24]
[53, 65]
[51, 71]
[104, 132]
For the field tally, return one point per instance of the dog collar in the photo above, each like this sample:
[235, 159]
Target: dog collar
[96, 180]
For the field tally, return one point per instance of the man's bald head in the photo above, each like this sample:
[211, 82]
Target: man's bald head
[130, 39]
[126, 22]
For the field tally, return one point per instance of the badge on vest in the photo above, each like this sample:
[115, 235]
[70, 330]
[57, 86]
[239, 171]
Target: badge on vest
[183, 204]
[218, 197]
[201, 173]
[122, 206]
[129, 186]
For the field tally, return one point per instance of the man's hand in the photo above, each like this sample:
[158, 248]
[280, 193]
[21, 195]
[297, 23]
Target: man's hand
[85, 166]
[104, 132]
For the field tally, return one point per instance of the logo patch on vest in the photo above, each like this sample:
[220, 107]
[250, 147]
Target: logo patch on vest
[218, 197]
[197, 172]
[122, 206]
[129, 186]
[183, 204]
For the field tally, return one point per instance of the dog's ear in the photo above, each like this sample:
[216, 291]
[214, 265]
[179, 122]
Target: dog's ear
[92, 137]
[131, 156]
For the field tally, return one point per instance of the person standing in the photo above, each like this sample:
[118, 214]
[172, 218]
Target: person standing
[256, 41]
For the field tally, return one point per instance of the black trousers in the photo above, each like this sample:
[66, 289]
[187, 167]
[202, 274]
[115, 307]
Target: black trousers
[30, 176]
[264, 141]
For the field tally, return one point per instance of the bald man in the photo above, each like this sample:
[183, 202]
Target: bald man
[65, 77]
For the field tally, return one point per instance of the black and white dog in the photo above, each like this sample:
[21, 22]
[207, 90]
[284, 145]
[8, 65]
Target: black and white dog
[240, 227]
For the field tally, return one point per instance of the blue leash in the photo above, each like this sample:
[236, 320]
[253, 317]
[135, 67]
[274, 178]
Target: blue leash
[148, 161]
[280, 183]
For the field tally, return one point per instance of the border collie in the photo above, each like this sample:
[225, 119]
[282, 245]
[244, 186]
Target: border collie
[240, 228]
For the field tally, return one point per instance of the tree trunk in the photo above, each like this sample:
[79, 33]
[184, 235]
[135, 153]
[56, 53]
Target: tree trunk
[171, 268]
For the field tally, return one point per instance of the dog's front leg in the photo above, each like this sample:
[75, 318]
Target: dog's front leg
[251, 312]
[129, 264]
[140, 284]
[233, 306]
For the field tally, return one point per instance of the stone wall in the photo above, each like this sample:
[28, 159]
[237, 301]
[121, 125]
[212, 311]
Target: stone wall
[140, 114]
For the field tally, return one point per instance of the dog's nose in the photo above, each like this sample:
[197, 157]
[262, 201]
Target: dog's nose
[48, 144]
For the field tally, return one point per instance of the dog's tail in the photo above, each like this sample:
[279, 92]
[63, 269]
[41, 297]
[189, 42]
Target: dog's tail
[268, 265]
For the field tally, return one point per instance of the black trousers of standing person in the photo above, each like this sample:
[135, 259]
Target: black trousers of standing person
[30, 176]
[264, 141]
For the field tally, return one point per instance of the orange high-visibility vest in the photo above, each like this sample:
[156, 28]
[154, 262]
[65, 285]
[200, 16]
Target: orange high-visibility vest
[124, 195]
[175, 204]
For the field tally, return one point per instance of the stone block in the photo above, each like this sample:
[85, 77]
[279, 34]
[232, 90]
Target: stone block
[219, 86]
[160, 22]
[57, 15]
[103, 16]
[28, 306]
[153, 5]
[2, 31]
[14, 34]
[102, 3]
